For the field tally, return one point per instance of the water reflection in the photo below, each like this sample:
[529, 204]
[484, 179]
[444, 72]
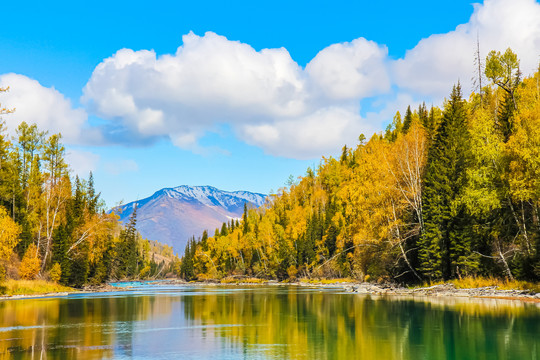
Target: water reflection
[266, 322]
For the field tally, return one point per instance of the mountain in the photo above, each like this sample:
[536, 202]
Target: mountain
[172, 215]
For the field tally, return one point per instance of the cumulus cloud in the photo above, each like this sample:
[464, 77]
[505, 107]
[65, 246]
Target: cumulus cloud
[208, 77]
[82, 162]
[46, 107]
[271, 102]
[438, 62]
[267, 98]
[350, 70]
[320, 132]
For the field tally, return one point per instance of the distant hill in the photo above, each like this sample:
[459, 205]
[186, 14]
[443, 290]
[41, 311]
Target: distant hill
[172, 215]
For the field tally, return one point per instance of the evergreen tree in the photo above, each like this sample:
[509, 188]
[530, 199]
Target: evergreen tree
[93, 198]
[186, 268]
[79, 269]
[61, 244]
[330, 228]
[245, 225]
[444, 246]
[204, 240]
[224, 230]
[423, 114]
[131, 245]
[407, 120]
[344, 154]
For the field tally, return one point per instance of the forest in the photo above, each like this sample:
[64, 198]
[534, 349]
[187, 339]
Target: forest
[442, 194]
[54, 226]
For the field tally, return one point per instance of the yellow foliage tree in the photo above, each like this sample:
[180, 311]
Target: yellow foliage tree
[30, 264]
[56, 272]
[9, 237]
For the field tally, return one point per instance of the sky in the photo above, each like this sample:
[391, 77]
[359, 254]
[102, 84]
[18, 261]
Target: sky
[238, 95]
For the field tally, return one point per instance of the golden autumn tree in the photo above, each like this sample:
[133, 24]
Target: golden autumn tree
[9, 237]
[30, 264]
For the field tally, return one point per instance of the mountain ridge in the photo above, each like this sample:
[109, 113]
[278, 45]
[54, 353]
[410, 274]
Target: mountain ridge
[172, 215]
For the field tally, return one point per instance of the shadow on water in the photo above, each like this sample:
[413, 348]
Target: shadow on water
[265, 322]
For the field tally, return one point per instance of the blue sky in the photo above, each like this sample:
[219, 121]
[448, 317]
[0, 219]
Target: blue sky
[195, 99]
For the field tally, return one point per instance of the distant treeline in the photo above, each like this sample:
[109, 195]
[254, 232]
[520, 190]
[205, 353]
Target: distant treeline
[54, 226]
[441, 194]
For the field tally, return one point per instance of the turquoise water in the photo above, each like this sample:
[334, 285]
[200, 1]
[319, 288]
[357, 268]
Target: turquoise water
[274, 322]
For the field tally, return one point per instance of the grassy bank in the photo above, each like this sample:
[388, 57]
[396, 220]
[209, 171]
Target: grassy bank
[31, 287]
[482, 282]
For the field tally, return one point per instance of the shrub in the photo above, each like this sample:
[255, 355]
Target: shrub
[56, 273]
[145, 271]
[29, 269]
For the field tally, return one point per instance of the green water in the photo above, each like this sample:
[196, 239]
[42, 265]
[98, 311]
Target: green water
[275, 322]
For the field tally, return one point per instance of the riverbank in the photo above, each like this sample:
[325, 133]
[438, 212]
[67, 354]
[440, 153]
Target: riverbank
[364, 288]
[13, 289]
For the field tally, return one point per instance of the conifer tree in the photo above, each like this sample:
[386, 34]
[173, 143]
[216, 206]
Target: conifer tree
[407, 120]
[224, 229]
[245, 225]
[93, 198]
[423, 114]
[204, 240]
[444, 246]
[186, 268]
[131, 244]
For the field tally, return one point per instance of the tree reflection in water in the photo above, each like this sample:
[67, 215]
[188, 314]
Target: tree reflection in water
[266, 322]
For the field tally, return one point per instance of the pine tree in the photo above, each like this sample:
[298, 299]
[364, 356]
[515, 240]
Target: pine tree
[224, 230]
[407, 120]
[204, 240]
[131, 245]
[444, 246]
[61, 240]
[187, 270]
[245, 225]
[423, 114]
[344, 154]
[93, 198]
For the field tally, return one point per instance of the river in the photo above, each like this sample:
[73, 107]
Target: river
[265, 322]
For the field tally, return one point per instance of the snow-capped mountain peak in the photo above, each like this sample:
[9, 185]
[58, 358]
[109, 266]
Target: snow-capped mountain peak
[172, 215]
[211, 196]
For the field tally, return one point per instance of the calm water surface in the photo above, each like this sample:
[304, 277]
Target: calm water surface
[275, 322]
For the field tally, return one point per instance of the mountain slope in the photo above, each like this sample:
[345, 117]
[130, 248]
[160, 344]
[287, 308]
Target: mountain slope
[173, 215]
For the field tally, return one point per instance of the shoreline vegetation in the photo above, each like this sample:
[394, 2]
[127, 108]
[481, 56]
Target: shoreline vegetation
[478, 288]
[55, 227]
[445, 193]
[443, 196]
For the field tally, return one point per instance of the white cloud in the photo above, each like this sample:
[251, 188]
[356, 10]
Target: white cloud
[268, 99]
[438, 62]
[82, 162]
[208, 77]
[321, 132]
[350, 70]
[265, 96]
[46, 107]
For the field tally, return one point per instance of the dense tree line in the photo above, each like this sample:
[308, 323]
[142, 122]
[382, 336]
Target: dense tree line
[442, 193]
[54, 226]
